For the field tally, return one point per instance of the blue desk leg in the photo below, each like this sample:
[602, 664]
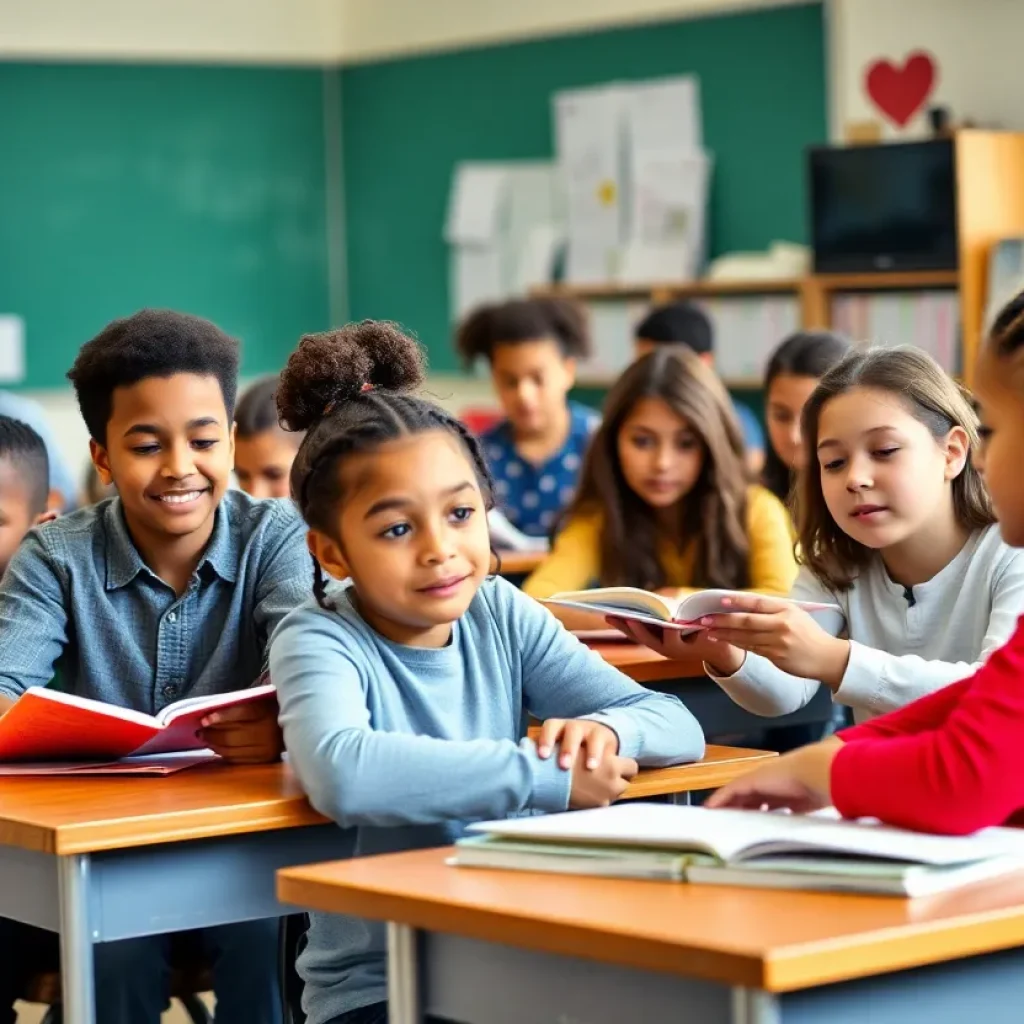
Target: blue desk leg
[403, 975]
[76, 937]
[752, 1006]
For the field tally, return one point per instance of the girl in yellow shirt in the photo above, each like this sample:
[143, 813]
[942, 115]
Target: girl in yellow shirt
[664, 501]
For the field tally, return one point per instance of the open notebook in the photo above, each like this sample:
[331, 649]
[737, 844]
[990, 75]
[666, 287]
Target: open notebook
[683, 614]
[747, 848]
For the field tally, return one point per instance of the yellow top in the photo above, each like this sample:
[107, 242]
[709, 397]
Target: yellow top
[575, 559]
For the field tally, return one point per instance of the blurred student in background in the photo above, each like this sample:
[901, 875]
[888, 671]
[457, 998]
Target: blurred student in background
[665, 502]
[264, 453]
[683, 323]
[793, 372]
[63, 496]
[536, 452]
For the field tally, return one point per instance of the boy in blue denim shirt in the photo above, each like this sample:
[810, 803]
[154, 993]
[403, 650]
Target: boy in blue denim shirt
[169, 590]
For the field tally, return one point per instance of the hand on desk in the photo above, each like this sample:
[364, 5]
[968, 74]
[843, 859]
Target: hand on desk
[247, 734]
[800, 781]
[590, 751]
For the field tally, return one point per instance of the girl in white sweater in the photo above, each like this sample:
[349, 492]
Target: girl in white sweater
[896, 527]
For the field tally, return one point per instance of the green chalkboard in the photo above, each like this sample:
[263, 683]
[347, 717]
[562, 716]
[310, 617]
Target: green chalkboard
[196, 188]
[406, 123]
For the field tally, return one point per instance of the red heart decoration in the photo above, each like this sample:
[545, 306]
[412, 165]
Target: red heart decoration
[900, 92]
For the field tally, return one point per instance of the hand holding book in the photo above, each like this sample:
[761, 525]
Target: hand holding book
[779, 630]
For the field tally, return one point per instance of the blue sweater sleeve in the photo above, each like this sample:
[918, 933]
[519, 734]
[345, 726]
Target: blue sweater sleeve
[563, 678]
[361, 776]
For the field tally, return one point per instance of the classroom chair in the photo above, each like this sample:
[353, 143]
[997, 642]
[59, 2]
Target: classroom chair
[189, 977]
[293, 940]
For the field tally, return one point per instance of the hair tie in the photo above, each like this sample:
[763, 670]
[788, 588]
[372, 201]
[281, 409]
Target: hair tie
[333, 403]
[366, 387]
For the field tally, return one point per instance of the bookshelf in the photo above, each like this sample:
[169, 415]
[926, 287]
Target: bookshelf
[990, 207]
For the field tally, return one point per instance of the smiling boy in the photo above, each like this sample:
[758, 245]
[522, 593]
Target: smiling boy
[169, 590]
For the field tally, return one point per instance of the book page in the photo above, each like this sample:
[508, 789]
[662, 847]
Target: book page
[736, 835]
[627, 599]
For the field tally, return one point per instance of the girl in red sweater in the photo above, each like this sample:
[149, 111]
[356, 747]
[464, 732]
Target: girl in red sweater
[953, 761]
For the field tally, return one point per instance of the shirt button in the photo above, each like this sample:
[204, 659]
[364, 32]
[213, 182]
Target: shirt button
[170, 691]
[172, 616]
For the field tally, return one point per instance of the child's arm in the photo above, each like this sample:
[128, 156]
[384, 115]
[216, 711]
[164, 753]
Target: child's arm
[965, 774]
[928, 712]
[33, 619]
[286, 571]
[773, 567]
[752, 681]
[882, 682]
[359, 776]
[563, 678]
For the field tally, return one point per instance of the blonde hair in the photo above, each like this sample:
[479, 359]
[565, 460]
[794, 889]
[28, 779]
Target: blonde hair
[934, 399]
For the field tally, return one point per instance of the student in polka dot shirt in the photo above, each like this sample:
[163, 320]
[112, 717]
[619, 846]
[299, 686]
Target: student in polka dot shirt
[536, 452]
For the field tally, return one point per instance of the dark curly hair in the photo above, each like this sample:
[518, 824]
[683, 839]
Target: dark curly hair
[349, 389]
[150, 343]
[511, 323]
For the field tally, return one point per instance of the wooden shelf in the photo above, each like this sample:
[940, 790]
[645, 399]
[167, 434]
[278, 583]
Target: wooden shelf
[668, 290]
[888, 280]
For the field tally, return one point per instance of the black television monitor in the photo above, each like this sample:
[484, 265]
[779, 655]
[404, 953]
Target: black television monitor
[884, 207]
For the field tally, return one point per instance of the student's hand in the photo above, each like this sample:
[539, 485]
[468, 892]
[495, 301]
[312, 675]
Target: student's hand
[247, 734]
[600, 786]
[800, 781]
[573, 735]
[784, 634]
[723, 659]
[5, 704]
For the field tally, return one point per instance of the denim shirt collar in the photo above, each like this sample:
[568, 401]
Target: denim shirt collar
[124, 562]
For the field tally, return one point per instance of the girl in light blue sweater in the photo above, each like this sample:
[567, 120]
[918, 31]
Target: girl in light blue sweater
[405, 693]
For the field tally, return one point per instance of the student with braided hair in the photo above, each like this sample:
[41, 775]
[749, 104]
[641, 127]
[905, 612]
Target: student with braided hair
[405, 691]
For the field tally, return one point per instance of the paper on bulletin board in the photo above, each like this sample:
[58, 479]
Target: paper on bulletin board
[475, 204]
[476, 278]
[12, 349]
[665, 113]
[668, 215]
[588, 140]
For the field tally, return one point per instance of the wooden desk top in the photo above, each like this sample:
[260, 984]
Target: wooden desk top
[643, 665]
[773, 940]
[54, 814]
[59, 815]
[520, 563]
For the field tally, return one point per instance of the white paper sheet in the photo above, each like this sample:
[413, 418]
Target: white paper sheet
[12, 349]
[665, 113]
[475, 204]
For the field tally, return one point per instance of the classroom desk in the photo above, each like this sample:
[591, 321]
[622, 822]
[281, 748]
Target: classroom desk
[718, 767]
[520, 563]
[99, 859]
[509, 947]
[708, 703]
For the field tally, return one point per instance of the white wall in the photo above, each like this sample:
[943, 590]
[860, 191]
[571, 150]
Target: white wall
[225, 31]
[377, 28]
[975, 42]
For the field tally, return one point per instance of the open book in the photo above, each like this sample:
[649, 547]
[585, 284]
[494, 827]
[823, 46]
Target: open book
[46, 725]
[747, 848]
[683, 614]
